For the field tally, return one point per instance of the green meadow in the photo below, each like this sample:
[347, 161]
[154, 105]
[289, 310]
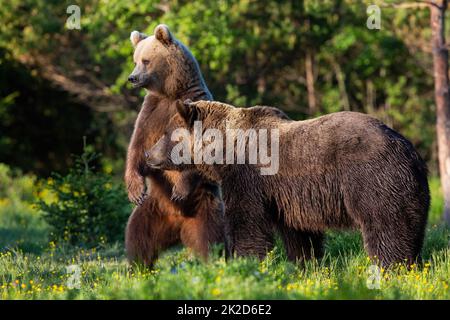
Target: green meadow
[34, 267]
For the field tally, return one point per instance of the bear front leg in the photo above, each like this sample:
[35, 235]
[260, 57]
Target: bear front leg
[136, 187]
[186, 182]
[134, 173]
[301, 245]
[249, 232]
[207, 227]
[136, 168]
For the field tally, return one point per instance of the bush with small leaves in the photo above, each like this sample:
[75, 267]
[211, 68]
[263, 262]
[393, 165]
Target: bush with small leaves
[89, 207]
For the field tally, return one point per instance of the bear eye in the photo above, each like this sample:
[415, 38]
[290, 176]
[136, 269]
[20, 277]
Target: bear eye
[145, 62]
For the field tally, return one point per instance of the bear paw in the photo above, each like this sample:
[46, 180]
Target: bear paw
[179, 194]
[137, 191]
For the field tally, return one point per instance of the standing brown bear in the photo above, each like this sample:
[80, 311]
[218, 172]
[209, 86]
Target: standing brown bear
[168, 71]
[342, 170]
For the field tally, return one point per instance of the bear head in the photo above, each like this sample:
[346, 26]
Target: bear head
[181, 131]
[211, 135]
[163, 64]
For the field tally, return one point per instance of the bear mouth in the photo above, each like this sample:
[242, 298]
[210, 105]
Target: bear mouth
[138, 84]
[142, 82]
[154, 165]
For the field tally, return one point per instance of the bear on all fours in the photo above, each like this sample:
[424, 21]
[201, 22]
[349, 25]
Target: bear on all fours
[341, 170]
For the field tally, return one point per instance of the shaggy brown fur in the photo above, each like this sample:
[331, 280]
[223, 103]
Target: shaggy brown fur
[342, 170]
[166, 68]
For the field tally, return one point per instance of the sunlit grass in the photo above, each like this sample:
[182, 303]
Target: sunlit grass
[31, 267]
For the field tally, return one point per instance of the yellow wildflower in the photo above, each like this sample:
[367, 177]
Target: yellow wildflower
[215, 292]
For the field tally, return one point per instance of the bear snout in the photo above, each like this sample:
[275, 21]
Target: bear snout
[133, 79]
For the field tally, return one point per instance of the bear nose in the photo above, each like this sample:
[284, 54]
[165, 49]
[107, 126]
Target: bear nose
[132, 79]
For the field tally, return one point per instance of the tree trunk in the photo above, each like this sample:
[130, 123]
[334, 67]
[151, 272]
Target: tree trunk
[441, 87]
[312, 103]
[370, 97]
[340, 77]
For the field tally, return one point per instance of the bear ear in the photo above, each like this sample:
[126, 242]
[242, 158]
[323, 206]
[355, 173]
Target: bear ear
[188, 111]
[136, 36]
[162, 33]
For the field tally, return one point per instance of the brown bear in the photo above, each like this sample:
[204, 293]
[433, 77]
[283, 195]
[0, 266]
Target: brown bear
[168, 71]
[341, 170]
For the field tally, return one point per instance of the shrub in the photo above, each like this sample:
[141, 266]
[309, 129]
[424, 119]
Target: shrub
[14, 185]
[21, 225]
[89, 207]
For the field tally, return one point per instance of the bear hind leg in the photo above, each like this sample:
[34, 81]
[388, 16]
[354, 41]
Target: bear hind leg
[148, 232]
[392, 222]
[392, 243]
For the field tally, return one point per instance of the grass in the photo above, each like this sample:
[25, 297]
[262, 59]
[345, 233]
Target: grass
[31, 267]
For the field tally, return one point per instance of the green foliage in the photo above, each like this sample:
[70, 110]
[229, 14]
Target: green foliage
[21, 226]
[15, 186]
[89, 209]
[251, 52]
[40, 125]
